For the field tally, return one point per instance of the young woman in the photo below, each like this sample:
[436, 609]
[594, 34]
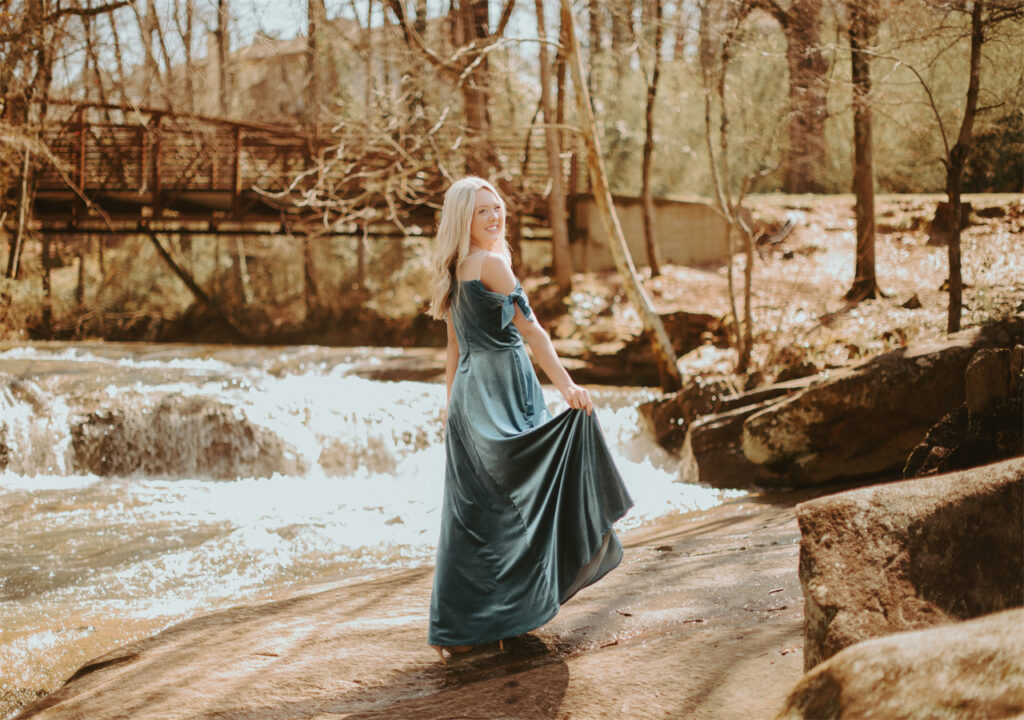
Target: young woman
[529, 500]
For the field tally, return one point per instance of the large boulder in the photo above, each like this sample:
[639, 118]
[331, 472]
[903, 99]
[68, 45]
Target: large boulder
[987, 427]
[866, 420]
[973, 669]
[909, 555]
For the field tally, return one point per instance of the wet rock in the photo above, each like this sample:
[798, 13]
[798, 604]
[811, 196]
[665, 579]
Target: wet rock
[668, 418]
[179, 436]
[910, 555]
[712, 453]
[973, 669]
[865, 420]
[987, 427]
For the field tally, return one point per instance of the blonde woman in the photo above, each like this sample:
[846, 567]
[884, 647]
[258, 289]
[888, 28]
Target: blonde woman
[529, 499]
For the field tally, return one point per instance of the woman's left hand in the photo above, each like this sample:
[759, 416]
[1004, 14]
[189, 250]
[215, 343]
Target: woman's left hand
[578, 398]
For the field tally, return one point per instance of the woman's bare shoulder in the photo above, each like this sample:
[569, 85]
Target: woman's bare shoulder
[496, 273]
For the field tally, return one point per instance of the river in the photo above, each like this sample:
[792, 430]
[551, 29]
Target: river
[144, 484]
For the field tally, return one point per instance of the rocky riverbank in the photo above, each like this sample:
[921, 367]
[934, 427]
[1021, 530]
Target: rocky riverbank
[703, 619]
[905, 596]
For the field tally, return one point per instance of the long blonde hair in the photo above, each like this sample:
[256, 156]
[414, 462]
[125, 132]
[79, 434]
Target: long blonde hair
[453, 240]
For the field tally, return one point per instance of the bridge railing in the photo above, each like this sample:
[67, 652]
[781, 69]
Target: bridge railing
[127, 158]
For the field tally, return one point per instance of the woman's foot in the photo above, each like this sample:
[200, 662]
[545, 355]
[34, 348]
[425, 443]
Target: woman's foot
[452, 650]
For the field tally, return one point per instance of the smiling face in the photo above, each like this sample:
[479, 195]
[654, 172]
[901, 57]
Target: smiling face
[488, 227]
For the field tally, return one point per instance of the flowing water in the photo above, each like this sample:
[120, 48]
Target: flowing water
[143, 484]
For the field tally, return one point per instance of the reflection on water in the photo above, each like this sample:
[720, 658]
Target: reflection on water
[142, 484]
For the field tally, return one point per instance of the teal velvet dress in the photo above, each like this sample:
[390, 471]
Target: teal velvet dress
[529, 499]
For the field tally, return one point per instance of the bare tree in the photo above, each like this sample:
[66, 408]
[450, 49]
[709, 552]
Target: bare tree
[801, 22]
[720, 34]
[316, 17]
[863, 24]
[467, 66]
[184, 20]
[661, 344]
[653, 17]
[976, 22]
[985, 16]
[223, 37]
[560, 252]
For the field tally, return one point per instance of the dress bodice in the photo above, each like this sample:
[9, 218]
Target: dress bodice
[483, 318]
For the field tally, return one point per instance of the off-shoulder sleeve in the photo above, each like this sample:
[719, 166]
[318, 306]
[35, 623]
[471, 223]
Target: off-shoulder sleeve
[508, 306]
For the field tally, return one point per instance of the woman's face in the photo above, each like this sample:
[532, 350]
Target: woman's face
[488, 226]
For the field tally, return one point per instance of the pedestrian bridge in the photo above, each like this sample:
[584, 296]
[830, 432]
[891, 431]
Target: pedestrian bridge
[117, 168]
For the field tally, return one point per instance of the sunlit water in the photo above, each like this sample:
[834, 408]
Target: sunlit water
[144, 484]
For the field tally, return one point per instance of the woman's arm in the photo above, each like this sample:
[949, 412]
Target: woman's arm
[496, 275]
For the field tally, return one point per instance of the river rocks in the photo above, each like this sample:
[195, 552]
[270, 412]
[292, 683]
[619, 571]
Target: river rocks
[973, 669]
[711, 453]
[668, 417]
[909, 555]
[181, 436]
[865, 420]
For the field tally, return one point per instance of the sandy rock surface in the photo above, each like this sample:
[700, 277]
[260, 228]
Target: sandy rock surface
[909, 555]
[703, 619]
[973, 669]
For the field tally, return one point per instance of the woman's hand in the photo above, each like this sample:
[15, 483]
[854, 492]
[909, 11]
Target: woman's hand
[578, 398]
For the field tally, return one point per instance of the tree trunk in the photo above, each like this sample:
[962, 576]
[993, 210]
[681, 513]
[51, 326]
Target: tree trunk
[560, 253]
[24, 203]
[716, 37]
[47, 322]
[370, 56]
[560, 81]
[223, 51]
[190, 67]
[748, 310]
[151, 69]
[862, 21]
[808, 68]
[475, 89]
[309, 290]
[595, 21]
[316, 16]
[955, 167]
[242, 267]
[622, 36]
[660, 342]
[653, 252]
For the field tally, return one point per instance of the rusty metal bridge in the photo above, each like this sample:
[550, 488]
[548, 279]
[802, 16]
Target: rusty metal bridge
[119, 169]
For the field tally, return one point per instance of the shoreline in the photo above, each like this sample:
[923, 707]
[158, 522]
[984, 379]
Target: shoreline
[704, 618]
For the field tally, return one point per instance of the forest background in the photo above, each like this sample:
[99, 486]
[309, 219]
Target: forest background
[730, 100]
